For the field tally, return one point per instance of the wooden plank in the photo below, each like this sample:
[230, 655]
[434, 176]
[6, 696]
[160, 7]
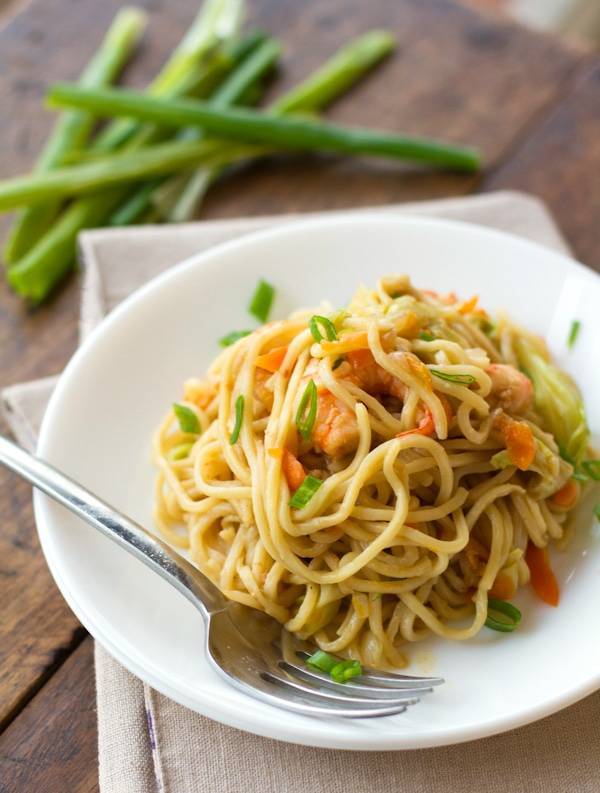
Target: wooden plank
[52, 745]
[560, 162]
[454, 71]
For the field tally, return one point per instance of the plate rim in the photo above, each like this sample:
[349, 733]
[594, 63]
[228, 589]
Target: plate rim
[296, 732]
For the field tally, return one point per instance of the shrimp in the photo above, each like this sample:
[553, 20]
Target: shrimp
[335, 431]
[510, 388]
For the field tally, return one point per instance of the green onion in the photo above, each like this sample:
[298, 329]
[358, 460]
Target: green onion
[338, 362]
[326, 324]
[425, 336]
[501, 607]
[305, 420]
[338, 669]
[592, 469]
[597, 511]
[305, 492]
[72, 129]
[181, 451]
[573, 333]
[188, 418]
[579, 476]
[261, 302]
[239, 415]
[461, 379]
[290, 132]
[345, 671]
[231, 338]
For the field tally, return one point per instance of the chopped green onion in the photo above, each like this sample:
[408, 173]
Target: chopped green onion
[597, 511]
[231, 338]
[573, 333]
[305, 492]
[326, 324]
[338, 362]
[305, 420]
[461, 379]
[501, 607]
[339, 669]
[345, 671]
[425, 336]
[260, 305]
[180, 451]
[239, 415]
[592, 469]
[188, 418]
[580, 476]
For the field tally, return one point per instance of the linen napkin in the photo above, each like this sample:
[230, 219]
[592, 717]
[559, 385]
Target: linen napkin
[150, 744]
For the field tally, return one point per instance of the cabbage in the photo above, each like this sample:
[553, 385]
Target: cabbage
[557, 400]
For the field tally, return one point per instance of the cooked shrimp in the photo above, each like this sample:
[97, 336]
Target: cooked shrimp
[510, 388]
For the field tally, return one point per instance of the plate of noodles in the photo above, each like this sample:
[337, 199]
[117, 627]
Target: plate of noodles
[379, 431]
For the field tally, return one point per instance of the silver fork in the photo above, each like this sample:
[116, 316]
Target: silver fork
[245, 646]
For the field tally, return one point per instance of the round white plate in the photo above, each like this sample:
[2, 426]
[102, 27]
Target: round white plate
[117, 387]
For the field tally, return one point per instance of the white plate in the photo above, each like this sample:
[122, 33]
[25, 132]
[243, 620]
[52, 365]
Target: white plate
[118, 385]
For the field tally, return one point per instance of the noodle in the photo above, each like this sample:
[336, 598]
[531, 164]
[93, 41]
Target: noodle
[419, 514]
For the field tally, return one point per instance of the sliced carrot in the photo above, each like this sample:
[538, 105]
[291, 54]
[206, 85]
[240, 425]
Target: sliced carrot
[567, 495]
[347, 343]
[276, 452]
[543, 581]
[272, 360]
[293, 470]
[504, 587]
[519, 440]
[469, 305]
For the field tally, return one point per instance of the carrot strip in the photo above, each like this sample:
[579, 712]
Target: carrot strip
[347, 343]
[272, 360]
[293, 470]
[469, 305]
[543, 580]
[519, 440]
[504, 587]
[567, 495]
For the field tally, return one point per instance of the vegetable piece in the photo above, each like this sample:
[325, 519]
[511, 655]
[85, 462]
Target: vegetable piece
[239, 415]
[52, 257]
[293, 470]
[340, 670]
[520, 443]
[272, 360]
[180, 451]
[305, 419]
[316, 323]
[504, 618]
[73, 128]
[188, 418]
[543, 580]
[345, 68]
[573, 333]
[504, 587]
[426, 336]
[597, 511]
[567, 495]
[557, 400]
[346, 343]
[231, 338]
[461, 379]
[305, 492]
[291, 132]
[261, 302]
[592, 469]
[469, 305]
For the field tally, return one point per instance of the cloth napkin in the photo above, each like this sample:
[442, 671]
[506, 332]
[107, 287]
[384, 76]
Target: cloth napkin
[150, 744]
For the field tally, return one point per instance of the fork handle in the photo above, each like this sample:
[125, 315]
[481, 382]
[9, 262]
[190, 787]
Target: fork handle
[154, 553]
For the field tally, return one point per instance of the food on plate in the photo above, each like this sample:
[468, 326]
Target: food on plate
[377, 474]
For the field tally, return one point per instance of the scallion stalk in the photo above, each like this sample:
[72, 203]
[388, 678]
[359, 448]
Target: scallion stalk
[261, 302]
[289, 132]
[239, 417]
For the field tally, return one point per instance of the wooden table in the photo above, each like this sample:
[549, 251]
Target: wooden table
[529, 101]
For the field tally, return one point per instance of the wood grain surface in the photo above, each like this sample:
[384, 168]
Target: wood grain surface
[531, 103]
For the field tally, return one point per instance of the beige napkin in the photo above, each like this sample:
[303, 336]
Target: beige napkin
[149, 744]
